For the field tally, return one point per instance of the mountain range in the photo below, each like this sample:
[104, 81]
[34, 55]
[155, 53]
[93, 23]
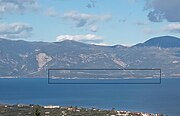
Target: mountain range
[20, 58]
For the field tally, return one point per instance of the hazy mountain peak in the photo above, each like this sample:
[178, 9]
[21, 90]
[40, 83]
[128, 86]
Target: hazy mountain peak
[162, 41]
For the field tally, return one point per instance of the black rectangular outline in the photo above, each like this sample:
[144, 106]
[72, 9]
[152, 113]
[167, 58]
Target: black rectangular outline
[104, 69]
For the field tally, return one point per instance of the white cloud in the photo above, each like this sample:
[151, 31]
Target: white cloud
[93, 28]
[149, 31]
[82, 19]
[11, 6]
[15, 30]
[102, 44]
[89, 38]
[51, 12]
[172, 27]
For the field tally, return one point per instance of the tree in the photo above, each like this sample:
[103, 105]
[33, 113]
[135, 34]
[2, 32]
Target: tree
[37, 112]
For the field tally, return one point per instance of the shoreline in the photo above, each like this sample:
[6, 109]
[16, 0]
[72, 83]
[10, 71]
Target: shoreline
[30, 109]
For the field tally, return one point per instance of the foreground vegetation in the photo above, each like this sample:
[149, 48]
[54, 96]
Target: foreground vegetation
[36, 110]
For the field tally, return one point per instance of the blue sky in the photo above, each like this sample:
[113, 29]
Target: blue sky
[103, 22]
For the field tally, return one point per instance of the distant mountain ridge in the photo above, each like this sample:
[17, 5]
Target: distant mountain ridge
[32, 59]
[163, 42]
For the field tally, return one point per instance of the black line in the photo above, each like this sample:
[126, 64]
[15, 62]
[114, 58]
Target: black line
[100, 69]
[104, 83]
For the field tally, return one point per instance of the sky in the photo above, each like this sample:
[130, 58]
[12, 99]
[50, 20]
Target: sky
[102, 22]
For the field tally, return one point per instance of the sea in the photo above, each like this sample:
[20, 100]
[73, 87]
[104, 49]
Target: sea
[161, 98]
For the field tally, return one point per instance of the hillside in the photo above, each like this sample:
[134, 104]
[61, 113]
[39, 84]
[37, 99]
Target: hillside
[32, 59]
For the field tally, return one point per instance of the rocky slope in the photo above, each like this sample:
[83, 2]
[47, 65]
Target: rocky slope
[32, 59]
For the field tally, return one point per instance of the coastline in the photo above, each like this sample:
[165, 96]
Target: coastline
[31, 109]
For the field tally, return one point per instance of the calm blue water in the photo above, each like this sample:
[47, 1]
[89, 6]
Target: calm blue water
[157, 98]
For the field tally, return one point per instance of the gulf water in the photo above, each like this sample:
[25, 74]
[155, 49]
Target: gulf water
[153, 98]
